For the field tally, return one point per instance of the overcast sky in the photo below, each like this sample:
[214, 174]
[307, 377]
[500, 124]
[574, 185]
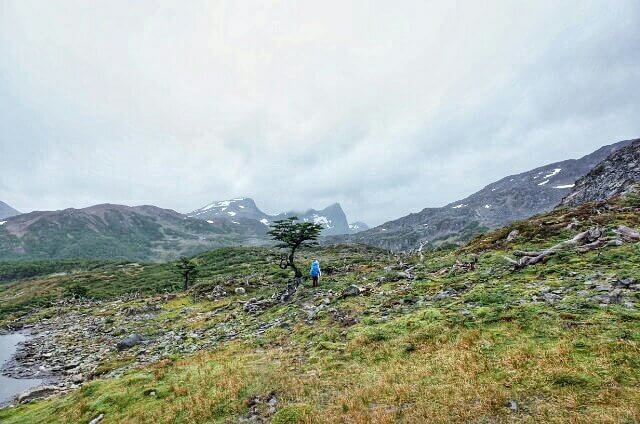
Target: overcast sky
[386, 107]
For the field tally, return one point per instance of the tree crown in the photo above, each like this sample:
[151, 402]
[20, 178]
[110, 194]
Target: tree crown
[292, 233]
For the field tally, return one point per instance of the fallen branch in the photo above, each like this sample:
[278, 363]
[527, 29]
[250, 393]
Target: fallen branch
[586, 241]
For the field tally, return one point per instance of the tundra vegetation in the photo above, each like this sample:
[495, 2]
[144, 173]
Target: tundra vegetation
[452, 335]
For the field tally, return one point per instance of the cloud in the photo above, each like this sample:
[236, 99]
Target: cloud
[386, 108]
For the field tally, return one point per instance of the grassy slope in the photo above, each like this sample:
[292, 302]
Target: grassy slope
[407, 358]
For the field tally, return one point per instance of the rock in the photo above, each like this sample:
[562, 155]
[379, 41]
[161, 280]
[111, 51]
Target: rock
[625, 283]
[97, 419]
[352, 290]
[512, 405]
[602, 299]
[615, 296]
[551, 297]
[513, 235]
[216, 293]
[77, 378]
[37, 393]
[129, 342]
[240, 290]
[444, 294]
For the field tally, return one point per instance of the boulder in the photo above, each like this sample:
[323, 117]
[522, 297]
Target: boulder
[77, 378]
[352, 290]
[240, 290]
[129, 342]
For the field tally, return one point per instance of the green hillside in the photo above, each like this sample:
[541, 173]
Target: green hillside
[449, 336]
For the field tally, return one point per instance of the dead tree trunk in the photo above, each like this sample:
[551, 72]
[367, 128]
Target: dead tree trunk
[591, 239]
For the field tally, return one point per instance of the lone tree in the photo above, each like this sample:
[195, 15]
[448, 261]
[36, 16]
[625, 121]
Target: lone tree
[187, 270]
[293, 234]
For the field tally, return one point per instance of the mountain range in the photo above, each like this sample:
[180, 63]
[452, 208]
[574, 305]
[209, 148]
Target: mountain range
[149, 233]
[332, 218]
[512, 198]
[120, 232]
[145, 233]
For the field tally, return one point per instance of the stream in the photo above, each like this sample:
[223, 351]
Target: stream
[11, 387]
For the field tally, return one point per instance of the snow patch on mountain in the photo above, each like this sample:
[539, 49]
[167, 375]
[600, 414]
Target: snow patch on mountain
[321, 220]
[553, 173]
[223, 205]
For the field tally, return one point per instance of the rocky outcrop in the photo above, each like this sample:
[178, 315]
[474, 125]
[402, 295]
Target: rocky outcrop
[37, 393]
[619, 174]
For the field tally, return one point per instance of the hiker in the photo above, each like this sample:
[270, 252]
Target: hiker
[315, 272]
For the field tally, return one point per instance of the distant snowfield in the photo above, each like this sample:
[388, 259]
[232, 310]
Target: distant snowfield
[3, 222]
[565, 186]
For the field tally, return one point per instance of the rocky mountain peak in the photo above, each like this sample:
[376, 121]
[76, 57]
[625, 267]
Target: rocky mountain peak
[616, 175]
[241, 207]
[7, 211]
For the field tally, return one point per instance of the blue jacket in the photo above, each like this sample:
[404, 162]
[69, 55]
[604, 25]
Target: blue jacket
[315, 269]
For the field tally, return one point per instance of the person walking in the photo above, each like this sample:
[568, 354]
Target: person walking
[315, 272]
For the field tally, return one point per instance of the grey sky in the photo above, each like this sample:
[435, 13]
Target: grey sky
[386, 107]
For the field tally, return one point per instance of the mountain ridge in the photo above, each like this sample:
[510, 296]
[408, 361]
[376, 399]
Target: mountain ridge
[119, 232]
[332, 217]
[509, 199]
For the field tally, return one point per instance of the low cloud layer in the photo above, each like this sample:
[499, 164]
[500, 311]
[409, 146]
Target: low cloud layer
[385, 107]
